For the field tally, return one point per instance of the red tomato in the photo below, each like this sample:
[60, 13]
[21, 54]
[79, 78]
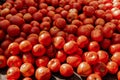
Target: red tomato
[38, 50]
[61, 56]
[27, 69]
[74, 60]
[3, 61]
[66, 70]
[100, 68]
[118, 75]
[112, 67]
[94, 76]
[42, 61]
[54, 65]
[114, 48]
[70, 47]
[13, 48]
[84, 69]
[93, 46]
[27, 78]
[13, 73]
[25, 46]
[91, 57]
[14, 61]
[28, 57]
[103, 56]
[42, 73]
[116, 57]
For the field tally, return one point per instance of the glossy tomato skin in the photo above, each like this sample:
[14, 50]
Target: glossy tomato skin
[27, 78]
[74, 60]
[54, 65]
[92, 57]
[28, 57]
[27, 69]
[3, 61]
[13, 73]
[42, 61]
[103, 56]
[116, 57]
[13, 48]
[70, 47]
[100, 69]
[61, 55]
[114, 48]
[94, 76]
[112, 67]
[93, 46]
[42, 73]
[84, 69]
[118, 75]
[66, 70]
[38, 50]
[14, 61]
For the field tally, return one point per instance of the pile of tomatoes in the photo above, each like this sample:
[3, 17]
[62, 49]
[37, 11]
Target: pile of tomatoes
[42, 37]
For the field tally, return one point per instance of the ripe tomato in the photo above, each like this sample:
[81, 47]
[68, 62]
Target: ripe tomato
[91, 57]
[13, 48]
[116, 57]
[100, 68]
[66, 70]
[27, 78]
[94, 76]
[84, 69]
[38, 50]
[103, 56]
[70, 47]
[74, 60]
[3, 61]
[61, 56]
[42, 73]
[114, 48]
[25, 46]
[112, 67]
[27, 69]
[13, 73]
[42, 61]
[28, 57]
[54, 65]
[93, 46]
[14, 61]
[118, 75]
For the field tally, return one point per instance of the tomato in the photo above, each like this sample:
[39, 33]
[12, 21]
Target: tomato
[70, 47]
[58, 42]
[114, 48]
[91, 57]
[66, 70]
[13, 48]
[13, 73]
[3, 61]
[25, 46]
[112, 67]
[42, 61]
[103, 56]
[14, 61]
[54, 65]
[94, 76]
[27, 78]
[118, 75]
[93, 46]
[82, 41]
[74, 60]
[100, 68]
[116, 57]
[61, 56]
[27, 69]
[38, 50]
[84, 69]
[42, 73]
[28, 57]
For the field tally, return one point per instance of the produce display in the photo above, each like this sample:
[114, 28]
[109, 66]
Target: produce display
[42, 38]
